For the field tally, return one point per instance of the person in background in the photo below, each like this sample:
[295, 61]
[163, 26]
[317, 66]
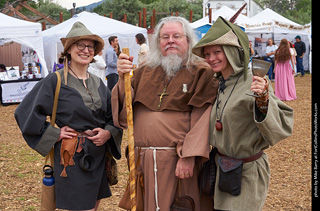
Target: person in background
[293, 53]
[144, 49]
[301, 50]
[2, 68]
[118, 50]
[98, 67]
[111, 63]
[59, 65]
[251, 51]
[271, 49]
[285, 88]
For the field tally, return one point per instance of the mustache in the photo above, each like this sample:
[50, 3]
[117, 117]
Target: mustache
[172, 46]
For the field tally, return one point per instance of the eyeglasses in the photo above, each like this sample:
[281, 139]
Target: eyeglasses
[175, 37]
[82, 46]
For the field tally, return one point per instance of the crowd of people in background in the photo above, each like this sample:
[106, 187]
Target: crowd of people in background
[106, 68]
[287, 63]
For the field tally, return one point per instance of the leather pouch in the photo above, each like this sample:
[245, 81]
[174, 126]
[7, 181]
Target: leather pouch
[67, 151]
[207, 176]
[112, 169]
[230, 174]
[183, 203]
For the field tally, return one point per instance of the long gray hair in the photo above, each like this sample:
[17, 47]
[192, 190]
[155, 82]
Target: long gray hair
[154, 56]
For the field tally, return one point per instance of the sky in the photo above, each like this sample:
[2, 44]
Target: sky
[79, 3]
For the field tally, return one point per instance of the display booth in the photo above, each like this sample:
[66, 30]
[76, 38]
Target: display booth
[269, 24]
[259, 28]
[29, 35]
[100, 25]
[202, 26]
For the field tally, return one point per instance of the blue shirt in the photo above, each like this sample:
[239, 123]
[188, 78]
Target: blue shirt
[111, 61]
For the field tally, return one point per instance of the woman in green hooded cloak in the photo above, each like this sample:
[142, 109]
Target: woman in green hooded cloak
[241, 126]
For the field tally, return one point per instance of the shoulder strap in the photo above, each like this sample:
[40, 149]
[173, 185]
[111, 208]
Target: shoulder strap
[53, 117]
[56, 96]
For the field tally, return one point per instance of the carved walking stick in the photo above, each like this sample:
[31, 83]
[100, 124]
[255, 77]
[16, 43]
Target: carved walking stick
[132, 175]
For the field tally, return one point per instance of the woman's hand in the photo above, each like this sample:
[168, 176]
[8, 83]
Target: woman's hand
[124, 64]
[66, 132]
[101, 137]
[258, 84]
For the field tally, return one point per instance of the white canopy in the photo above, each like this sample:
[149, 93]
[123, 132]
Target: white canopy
[269, 24]
[102, 26]
[226, 13]
[268, 15]
[25, 33]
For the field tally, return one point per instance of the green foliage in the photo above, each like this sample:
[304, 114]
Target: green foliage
[119, 8]
[181, 6]
[298, 11]
[48, 7]
[43, 6]
[132, 7]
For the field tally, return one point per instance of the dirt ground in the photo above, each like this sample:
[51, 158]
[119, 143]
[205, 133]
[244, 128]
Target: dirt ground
[290, 163]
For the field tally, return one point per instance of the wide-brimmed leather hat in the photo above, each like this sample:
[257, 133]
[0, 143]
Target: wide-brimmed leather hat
[79, 32]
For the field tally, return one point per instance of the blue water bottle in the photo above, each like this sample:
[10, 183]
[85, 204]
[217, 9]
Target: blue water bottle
[48, 179]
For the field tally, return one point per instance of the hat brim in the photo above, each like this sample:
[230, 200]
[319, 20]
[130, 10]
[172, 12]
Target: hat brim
[67, 42]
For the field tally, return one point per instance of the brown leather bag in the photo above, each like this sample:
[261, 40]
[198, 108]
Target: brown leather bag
[112, 169]
[183, 203]
[125, 200]
[207, 175]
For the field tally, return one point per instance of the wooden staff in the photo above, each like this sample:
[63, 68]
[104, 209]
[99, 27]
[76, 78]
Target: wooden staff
[132, 175]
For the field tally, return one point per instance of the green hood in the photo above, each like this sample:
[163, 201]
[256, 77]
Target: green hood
[224, 33]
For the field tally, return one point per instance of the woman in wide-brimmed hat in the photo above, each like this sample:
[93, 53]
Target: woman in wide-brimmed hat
[84, 111]
[241, 126]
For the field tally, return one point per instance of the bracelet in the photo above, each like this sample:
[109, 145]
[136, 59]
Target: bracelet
[262, 100]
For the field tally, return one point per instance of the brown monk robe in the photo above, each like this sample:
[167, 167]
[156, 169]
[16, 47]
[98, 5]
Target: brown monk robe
[178, 128]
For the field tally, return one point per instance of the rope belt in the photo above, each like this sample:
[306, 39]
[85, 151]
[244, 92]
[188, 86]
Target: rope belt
[155, 170]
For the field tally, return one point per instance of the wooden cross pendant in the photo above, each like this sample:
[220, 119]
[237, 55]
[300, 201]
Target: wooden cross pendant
[162, 95]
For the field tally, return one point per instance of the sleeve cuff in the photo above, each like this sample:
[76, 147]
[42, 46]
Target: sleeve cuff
[48, 140]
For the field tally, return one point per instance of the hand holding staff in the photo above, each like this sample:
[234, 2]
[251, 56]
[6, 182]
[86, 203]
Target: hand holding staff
[132, 168]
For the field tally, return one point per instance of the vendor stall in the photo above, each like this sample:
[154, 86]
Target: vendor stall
[25, 33]
[97, 24]
[269, 24]
[17, 81]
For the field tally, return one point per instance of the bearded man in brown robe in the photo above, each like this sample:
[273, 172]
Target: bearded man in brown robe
[173, 93]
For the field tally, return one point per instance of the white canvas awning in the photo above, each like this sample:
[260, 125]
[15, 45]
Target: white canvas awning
[25, 33]
[100, 25]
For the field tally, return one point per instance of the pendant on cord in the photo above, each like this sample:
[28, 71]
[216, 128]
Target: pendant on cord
[218, 125]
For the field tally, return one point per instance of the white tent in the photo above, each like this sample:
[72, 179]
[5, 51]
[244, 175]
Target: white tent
[202, 26]
[25, 33]
[269, 24]
[102, 26]
[268, 15]
[226, 13]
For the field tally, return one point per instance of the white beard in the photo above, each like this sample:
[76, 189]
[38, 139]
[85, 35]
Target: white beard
[171, 64]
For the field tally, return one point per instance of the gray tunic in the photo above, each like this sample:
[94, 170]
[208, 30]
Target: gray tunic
[80, 111]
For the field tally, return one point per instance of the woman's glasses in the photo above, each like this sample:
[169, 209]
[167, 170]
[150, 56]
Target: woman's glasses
[82, 46]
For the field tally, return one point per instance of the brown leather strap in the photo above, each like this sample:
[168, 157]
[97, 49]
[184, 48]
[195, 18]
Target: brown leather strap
[55, 102]
[247, 159]
[53, 117]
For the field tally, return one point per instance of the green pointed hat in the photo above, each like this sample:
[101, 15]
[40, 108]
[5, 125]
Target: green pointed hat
[222, 32]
